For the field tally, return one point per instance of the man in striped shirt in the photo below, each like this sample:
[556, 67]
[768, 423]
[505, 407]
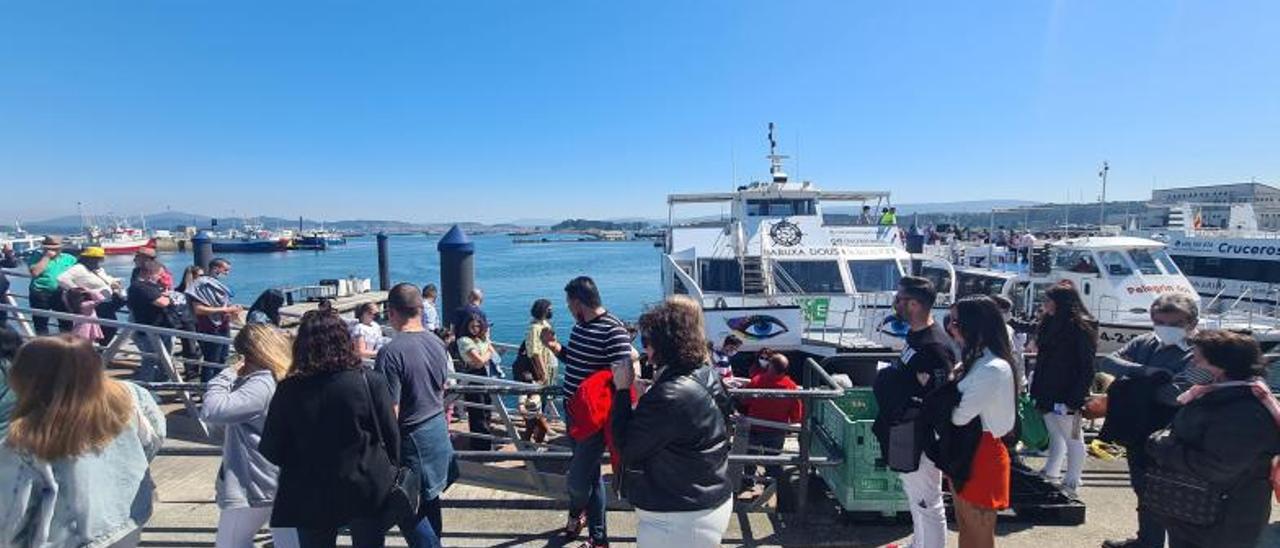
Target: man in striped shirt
[598, 341]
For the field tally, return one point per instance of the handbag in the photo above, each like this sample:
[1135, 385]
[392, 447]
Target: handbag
[522, 367]
[1033, 433]
[1181, 497]
[406, 489]
[905, 439]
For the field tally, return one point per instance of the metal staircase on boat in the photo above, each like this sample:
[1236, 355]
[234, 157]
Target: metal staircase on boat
[752, 275]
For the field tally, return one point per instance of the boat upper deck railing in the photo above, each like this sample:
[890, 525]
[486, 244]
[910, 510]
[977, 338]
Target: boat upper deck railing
[825, 195]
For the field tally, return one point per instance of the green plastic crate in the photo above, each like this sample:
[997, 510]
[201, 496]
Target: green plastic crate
[861, 483]
[858, 404]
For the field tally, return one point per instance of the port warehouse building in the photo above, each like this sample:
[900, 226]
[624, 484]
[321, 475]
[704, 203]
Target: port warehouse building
[1265, 200]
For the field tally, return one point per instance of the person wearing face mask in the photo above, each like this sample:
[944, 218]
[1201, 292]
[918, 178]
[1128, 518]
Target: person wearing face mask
[1226, 434]
[1159, 363]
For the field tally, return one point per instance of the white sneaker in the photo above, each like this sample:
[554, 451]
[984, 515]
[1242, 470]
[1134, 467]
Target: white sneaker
[1071, 490]
[1044, 475]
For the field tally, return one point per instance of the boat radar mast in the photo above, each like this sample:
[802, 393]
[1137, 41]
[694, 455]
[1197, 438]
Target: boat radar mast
[775, 160]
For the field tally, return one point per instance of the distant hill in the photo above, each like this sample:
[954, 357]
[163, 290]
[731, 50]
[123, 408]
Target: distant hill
[586, 224]
[966, 206]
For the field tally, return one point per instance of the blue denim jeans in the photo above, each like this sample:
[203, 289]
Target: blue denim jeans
[427, 449]
[770, 443]
[213, 353]
[151, 370]
[586, 486]
[418, 531]
[1151, 531]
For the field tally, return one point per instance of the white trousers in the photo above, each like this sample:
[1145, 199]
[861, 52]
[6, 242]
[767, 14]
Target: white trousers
[924, 496]
[1066, 439]
[698, 529]
[238, 526]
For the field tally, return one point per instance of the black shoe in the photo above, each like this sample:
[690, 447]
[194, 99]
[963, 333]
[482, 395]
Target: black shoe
[574, 525]
[1126, 543]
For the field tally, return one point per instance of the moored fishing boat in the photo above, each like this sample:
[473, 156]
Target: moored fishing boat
[312, 242]
[253, 240]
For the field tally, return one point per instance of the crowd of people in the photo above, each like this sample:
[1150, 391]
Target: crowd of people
[317, 441]
[1189, 405]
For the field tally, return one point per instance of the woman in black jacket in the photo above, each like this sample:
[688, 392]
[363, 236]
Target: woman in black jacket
[675, 443]
[1066, 344]
[1226, 434]
[332, 432]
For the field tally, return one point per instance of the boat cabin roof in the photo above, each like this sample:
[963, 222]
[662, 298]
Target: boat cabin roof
[1107, 242]
[767, 191]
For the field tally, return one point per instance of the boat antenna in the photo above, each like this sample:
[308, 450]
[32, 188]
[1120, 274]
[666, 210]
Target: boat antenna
[775, 159]
[1103, 174]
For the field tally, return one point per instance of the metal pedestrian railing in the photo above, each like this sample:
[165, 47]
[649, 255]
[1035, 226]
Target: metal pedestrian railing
[125, 332]
[817, 382]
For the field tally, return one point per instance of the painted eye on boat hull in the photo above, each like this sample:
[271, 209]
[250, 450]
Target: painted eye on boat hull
[756, 327]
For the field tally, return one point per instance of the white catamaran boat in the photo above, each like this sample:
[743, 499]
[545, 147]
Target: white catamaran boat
[779, 275]
[1118, 278]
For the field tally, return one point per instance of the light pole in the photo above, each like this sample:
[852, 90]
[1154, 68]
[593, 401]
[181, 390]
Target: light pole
[1103, 215]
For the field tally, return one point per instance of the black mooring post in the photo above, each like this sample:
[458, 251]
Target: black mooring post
[457, 272]
[202, 249]
[384, 263]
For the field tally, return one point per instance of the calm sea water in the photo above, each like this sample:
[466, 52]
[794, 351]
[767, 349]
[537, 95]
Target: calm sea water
[511, 275]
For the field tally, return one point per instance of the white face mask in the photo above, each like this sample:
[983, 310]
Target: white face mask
[1170, 334]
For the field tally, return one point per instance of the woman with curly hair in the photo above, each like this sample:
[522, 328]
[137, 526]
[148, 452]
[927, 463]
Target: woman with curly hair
[331, 430]
[675, 443]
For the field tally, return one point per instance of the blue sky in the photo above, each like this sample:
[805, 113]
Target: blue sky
[494, 110]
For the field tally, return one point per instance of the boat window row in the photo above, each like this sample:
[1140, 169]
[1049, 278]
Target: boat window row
[780, 207]
[725, 276]
[1118, 262]
[1250, 270]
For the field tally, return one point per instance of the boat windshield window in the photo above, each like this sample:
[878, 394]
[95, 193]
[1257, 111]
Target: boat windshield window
[780, 208]
[869, 276]
[720, 275]
[807, 277]
[1165, 261]
[1114, 264]
[1076, 261]
[941, 278]
[1145, 261]
[977, 284]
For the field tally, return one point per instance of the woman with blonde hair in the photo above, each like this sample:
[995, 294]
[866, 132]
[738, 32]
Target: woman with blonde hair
[238, 398]
[75, 463]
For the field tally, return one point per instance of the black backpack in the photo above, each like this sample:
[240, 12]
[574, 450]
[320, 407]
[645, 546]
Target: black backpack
[524, 369]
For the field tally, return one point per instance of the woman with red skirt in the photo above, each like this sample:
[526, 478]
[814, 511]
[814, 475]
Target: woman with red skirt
[987, 388]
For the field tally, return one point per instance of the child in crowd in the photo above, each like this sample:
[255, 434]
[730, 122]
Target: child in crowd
[721, 358]
[85, 303]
